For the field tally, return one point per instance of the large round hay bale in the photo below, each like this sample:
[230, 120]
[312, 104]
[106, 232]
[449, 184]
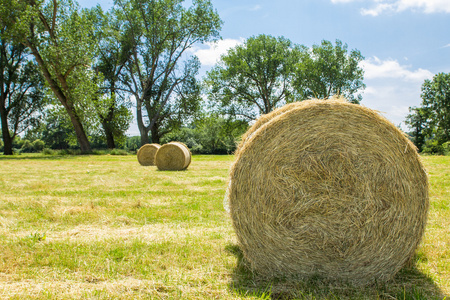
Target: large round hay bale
[146, 154]
[328, 189]
[173, 156]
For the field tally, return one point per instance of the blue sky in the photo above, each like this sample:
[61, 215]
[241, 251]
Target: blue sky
[404, 42]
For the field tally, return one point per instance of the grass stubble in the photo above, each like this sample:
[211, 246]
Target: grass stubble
[102, 227]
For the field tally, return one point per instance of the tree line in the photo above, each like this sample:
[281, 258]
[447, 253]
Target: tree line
[92, 62]
[71, 76]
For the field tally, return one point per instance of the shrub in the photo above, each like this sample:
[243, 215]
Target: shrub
[133, 143]
[27, 146]
[38, 145]
[47, 151]
[433, 147]
[118, 152]
[446, 147]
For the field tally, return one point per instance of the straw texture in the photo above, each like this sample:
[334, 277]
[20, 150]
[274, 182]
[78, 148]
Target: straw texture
[146, 154]
[329, 189]
[264, 119]
[173, 156]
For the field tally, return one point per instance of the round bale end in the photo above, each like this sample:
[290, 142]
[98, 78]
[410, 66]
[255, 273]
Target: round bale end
[328, 189]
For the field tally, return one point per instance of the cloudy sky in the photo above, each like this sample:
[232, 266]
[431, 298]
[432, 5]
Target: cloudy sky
[404, 42]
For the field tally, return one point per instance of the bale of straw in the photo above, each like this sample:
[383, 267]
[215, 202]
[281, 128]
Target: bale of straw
[269, 116]
[146, 154]
[328, 189]
[173, 156]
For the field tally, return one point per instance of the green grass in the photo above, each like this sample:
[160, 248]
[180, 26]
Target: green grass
[102, 227]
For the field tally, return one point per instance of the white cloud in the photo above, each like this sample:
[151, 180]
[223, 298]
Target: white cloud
[392, 88]
[428, 6]
[256, 7]
[376, 68]
[378, 9]
[381, 6]
[210, 56]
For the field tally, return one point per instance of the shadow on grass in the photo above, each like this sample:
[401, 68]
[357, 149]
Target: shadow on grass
[408, 284]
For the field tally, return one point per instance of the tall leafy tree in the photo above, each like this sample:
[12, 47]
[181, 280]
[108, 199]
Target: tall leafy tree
[161, 74]
[111, 104]
[21, 91]
[59, 36]
[436, 100]
[326, 70]
[254, 78]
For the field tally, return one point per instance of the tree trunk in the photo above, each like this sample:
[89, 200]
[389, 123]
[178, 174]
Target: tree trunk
[7, 141]
[143, 130]
[155, 134]
[144, 136]
[79, 131]
[107, 122]
[108, 134]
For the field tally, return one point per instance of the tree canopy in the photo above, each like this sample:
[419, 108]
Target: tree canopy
[111, 103]
[430, 123]
[58, 35]
[96, 65]
[326, 70]
[266, 72]
[254, 78]
[436, 100]
[160, 73]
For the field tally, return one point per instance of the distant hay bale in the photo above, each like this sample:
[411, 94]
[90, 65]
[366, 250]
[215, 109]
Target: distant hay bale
[328, 189]
[146, 154]
[173, 156]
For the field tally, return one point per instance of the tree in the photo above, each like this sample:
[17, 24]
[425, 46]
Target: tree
[254, 78]
[21, 91]
[326, 70]
[161, 75]
[58, 34]
[430, 123]
[436, 100]
[113, 53]
[417, 121]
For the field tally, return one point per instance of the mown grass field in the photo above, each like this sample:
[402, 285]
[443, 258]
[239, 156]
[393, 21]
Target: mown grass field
[103, 227]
